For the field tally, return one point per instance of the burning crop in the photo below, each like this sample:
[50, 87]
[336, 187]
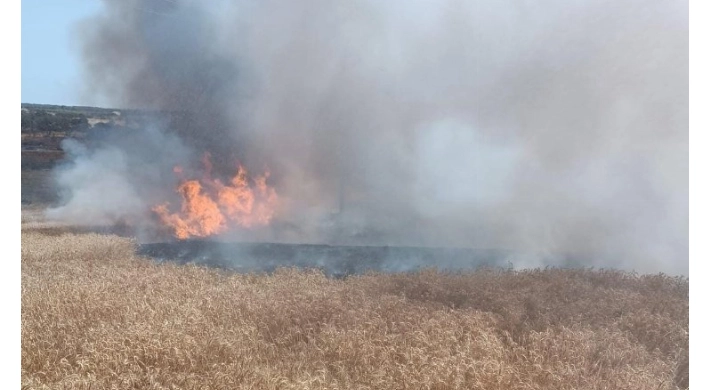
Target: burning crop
[210, 206]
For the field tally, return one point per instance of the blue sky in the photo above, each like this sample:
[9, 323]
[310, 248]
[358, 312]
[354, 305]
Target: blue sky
[50, 54]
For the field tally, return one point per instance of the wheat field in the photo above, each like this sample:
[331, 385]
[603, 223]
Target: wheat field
[96, 316]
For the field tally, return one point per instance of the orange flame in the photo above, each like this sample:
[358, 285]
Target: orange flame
[211, 207]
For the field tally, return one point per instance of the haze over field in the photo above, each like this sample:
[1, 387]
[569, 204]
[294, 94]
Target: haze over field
[556, 126]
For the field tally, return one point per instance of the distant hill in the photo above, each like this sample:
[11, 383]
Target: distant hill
[44, 126]
[48, 119]
[86, 110]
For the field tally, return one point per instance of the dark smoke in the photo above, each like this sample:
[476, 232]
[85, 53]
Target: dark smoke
[545, 127]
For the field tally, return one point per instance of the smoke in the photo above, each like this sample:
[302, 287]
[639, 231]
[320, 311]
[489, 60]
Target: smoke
[544, 127]
[118, 178]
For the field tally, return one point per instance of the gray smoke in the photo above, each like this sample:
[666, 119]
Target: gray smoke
[545, 127]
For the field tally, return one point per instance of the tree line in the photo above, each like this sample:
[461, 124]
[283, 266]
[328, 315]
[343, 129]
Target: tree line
[40, 121]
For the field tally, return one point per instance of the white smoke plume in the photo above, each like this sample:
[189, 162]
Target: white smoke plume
[546, 127]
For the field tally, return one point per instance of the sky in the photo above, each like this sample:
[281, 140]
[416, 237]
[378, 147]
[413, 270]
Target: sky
[50, 56]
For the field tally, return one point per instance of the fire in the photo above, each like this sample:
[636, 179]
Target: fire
[210, 206]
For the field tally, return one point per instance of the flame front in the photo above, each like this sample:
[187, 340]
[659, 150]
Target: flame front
[211, 207]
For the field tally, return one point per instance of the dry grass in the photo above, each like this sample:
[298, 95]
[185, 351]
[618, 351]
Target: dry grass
[96, 316]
